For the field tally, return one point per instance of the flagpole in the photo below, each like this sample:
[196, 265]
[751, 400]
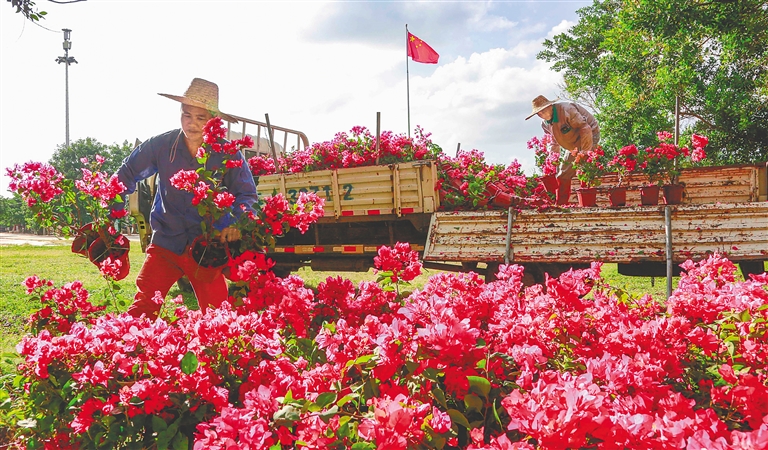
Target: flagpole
[408, 80]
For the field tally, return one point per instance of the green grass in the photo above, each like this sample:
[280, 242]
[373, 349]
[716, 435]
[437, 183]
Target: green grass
[58, 264]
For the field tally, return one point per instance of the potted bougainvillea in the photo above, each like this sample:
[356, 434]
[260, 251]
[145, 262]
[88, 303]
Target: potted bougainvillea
[624, 162]
[82, 209]
[547, 161]
[662, 163]
[590, 168]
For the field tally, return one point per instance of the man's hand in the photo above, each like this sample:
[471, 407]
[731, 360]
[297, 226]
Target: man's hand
[230, 234]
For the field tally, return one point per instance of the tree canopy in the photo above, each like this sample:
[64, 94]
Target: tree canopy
[67, 160]
[630, 59]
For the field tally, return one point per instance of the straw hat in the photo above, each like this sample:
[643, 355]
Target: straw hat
[203, 94]
[540, 103]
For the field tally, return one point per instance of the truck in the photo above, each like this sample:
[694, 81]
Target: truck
[724, 210]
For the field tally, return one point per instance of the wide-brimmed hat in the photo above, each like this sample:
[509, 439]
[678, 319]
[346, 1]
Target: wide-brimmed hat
[203, 94]
[540, 103]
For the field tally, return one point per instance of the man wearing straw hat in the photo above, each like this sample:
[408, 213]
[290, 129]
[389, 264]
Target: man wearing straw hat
[573, 128]
[175, 221]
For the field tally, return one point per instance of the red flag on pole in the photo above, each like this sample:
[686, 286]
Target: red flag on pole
[419, 51]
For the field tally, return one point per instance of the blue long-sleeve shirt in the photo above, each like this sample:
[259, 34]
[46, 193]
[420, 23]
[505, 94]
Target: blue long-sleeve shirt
[174, 220]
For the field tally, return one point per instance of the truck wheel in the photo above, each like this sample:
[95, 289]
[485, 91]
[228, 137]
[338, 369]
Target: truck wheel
[751, 267]
[533, 275]
[281, 272]
[490, 271]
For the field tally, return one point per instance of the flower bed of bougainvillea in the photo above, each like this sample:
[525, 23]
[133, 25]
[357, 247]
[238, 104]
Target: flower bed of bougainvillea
[462, 180]
[460, 363]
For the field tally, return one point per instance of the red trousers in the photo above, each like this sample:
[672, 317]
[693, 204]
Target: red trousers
[162, 268]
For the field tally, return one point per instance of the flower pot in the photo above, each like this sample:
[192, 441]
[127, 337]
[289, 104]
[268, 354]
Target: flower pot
[455, 183]
[504, 200]
[84, 238]
[649, 194]
[493, 189]
[209, 254]
[587, 197]
[550, 183]
[618, 196]
[673, 194]
[118, 250]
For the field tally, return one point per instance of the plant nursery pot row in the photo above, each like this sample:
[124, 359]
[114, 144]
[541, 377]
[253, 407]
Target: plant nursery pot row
[649, 195]
[671, 193]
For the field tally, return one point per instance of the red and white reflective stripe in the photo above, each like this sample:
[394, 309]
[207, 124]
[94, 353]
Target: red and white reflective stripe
[300, 249]
[343, 249]
[406, 210]
[365, 212]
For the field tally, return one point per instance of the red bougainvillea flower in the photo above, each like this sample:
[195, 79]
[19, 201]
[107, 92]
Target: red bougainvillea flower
[309, 208]
[201, 192]
[223, 200]
[35, 181]
[400, 260]
[184, 180]
[261, 165]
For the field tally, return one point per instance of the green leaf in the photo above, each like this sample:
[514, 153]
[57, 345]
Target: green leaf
[189, 363]
[479, 385]
[164, 437]
[346, 399]
[473, 403]
[287, 413]
[180, 442]
[439, 396]
[458, 418]
[158, 424]
[363, 446]
[496, 414]
[326, 398]
[328, 414]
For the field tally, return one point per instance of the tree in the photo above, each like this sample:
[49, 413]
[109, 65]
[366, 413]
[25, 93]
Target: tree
[67, 160]
[631, 59]
[14, 212]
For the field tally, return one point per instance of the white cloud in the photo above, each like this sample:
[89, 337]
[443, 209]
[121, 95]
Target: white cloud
[560, 28]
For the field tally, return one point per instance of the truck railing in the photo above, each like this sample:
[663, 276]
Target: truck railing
[245, 126]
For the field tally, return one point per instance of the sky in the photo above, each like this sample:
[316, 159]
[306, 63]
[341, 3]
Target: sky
[315, 66]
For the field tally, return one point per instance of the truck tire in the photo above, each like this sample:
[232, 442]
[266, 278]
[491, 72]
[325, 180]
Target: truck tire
[751, 267]
[281, 272]
[491, 271]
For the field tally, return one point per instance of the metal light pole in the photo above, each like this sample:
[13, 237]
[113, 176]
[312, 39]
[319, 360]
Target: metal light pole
[67, 60]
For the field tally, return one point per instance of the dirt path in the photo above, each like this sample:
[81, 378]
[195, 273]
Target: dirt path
[33, 239]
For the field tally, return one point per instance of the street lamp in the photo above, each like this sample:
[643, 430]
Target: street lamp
[67, 60]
